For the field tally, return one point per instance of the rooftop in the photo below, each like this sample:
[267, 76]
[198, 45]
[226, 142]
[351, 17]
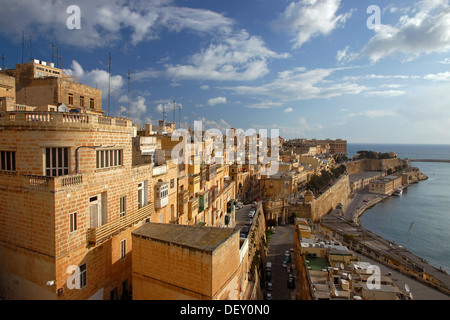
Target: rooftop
[201, 238]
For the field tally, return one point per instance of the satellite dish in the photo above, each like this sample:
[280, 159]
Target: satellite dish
[349, 277]
[63, 108]
[407, 288]
[336, 293]
[342, 266]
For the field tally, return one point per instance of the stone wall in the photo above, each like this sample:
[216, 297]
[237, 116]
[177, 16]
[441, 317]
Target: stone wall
[382, 165]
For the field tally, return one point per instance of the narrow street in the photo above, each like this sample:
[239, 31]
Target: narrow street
[280, 242]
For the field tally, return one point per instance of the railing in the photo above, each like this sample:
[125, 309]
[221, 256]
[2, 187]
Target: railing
[71, 180]
[98, 235]
[39, 118]
[53, 183]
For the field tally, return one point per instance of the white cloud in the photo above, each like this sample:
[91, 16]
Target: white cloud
[428, 31]
[373, 114]
[237, 57]
[137, 112]
[204, 87]
[218, 100]
[104, 22]
[288, 110]
[307, 19]
[443, 76]
[300, 84]
[96, 78]
[385, 93]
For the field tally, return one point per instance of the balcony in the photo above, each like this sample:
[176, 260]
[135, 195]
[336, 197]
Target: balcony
[44, 120]
[52, 183]
[98, 235]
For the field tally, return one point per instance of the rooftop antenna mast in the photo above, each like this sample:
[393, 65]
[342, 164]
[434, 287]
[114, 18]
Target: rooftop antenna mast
[109, 85]
[58, 59]
[164, 115]
[31, 48]
[174, 107]
[3, 61]
[129, 95]
[23, 43]
[53, 52]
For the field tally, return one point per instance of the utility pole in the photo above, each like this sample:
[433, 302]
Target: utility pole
[109, 85]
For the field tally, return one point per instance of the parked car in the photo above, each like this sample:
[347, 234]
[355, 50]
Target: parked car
[291, 283]
[251, 214]
[284, 264]
[245, 229]
[269, 286]
[268, 275]
[268, 296]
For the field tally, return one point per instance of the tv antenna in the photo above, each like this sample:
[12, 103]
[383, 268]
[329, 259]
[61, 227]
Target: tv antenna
[31, 48]
[129, 95]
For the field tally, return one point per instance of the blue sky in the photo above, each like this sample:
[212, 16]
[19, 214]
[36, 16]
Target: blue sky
[310, 68]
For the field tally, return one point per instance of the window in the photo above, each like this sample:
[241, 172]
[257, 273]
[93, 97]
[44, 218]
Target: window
[56, 161]
[81, 101]
[172, 183]
[83, 275]
[70, 99]
[73, 222]
[123, 206]
[97, 210]
[123, 248]
[92, 104]
[8, 160]
[109, 158]
[142, 194]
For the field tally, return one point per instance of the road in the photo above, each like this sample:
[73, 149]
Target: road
[361, 201]
[282, 240]
[419, 290]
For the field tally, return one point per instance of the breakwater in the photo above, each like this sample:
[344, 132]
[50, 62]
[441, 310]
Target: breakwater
[430, 160]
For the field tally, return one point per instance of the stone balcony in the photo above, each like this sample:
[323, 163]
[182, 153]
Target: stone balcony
[34, 120]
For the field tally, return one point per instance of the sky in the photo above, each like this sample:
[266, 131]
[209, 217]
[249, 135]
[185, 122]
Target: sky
[364, 71]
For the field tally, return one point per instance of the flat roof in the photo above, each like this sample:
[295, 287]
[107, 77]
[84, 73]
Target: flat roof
[197, 237]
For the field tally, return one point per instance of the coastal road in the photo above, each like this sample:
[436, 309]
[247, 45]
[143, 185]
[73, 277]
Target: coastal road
[419, 290]
[362, 200]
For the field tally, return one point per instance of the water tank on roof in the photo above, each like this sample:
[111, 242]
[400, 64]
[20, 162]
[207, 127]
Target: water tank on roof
[63, 108]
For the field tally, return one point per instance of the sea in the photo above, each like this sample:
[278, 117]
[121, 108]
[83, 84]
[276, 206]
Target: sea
[419, 219]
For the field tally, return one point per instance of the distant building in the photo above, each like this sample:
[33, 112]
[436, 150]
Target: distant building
[42, 87]
[386, 185]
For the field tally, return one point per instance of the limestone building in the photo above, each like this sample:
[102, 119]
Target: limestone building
[42, 87]
[71, 195]
[173, 262]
